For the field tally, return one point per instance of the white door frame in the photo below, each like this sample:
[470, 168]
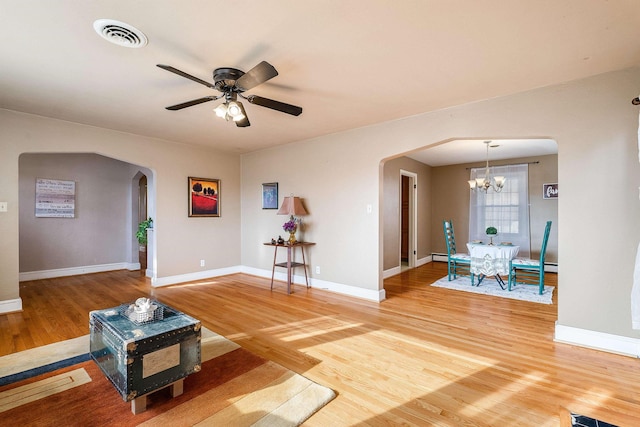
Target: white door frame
[413, 214]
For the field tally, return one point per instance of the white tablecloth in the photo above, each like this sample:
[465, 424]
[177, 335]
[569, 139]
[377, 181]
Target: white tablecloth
[491, 259]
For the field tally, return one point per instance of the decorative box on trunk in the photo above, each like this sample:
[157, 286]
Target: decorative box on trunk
[141, 352]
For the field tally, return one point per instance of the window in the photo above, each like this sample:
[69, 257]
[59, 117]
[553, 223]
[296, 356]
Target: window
[508, 211]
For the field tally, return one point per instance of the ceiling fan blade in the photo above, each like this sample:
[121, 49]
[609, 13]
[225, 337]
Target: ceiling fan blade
[255, 76]
[275, 105]
[193, 102]
[244, 122]
[185, 75]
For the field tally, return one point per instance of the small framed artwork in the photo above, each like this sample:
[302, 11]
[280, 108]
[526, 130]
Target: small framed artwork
[204, 197]
[270, 195]
[550, 191]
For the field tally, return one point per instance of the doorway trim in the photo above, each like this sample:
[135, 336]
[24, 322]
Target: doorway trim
[412, 219]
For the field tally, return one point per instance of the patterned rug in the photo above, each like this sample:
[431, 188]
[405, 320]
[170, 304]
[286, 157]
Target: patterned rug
[234, 387]
[490, 286]
[582, 421]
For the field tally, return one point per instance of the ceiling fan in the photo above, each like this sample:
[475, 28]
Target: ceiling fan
[233, 83]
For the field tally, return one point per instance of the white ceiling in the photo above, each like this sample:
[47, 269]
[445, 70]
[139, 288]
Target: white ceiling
[473, 150]
[347, 63]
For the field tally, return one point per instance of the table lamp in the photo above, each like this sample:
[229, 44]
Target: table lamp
[292, 206]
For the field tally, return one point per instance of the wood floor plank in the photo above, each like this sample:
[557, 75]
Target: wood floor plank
[424, 356]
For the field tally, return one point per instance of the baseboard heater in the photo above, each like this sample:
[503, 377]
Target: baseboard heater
[549, 267]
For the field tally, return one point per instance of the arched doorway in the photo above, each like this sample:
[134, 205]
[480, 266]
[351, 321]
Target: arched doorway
[142, 216]
[106, 216]
[442, 170]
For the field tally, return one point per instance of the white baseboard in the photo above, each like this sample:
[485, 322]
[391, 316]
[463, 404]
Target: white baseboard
[354, 291]
[278, 275]
[597, 340]
[423, 261]
[391, 272]
[10, 305]
[368, 294]
[397, 270]
[72, 271]
[133, 266]
[190, 277]
[440, 257]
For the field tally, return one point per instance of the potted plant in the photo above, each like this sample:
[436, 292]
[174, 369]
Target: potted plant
[141, 234]
[491, 232]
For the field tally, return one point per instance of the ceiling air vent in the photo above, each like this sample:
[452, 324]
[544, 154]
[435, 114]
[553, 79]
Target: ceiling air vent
[120, 33]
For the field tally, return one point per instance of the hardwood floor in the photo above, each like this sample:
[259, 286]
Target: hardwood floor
[425, 356]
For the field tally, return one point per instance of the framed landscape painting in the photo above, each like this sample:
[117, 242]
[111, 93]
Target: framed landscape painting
[270, 195]
[204, 197]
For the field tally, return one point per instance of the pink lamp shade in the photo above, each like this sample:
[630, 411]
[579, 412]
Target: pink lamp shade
[292, 206]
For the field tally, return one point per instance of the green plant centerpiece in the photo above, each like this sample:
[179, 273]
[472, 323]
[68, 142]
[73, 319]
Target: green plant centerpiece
[491, 232]
[141, 234]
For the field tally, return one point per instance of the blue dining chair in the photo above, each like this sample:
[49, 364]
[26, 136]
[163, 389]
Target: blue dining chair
[457, 263]
[530, 271]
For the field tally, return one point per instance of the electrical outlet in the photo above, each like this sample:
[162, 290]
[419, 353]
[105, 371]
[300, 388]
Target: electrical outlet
[201, 263]
[317, 269]
[3, 206]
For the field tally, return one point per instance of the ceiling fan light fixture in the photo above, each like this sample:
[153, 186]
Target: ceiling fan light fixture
[221, 110]
[232, 83]
[234, 110]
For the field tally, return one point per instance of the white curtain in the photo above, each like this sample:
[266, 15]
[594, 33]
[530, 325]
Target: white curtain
[508, 211]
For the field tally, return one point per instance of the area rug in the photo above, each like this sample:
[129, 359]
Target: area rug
[582, 421]
[490, 286]
[235, 387]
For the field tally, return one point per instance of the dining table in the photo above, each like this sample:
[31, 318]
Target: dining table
[491, 260]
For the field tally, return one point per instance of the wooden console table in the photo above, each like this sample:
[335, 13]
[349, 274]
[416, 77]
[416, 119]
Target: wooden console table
[290, 264]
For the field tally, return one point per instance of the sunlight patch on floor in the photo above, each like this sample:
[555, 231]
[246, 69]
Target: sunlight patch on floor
[456, 353]
[238, 337]
[298, 330]
[503, 394]
[301, 336]
[590, 398]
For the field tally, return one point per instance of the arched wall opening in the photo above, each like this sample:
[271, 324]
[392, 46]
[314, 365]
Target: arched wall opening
[442, 170]
[100, 236]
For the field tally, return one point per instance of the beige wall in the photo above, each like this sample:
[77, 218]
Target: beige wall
[595, 126]
[451, 201]
[180, 241]
[100, 232]
[337, 179]
[340, 176]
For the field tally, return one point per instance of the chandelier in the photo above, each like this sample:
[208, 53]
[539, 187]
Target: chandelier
[485, 183]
